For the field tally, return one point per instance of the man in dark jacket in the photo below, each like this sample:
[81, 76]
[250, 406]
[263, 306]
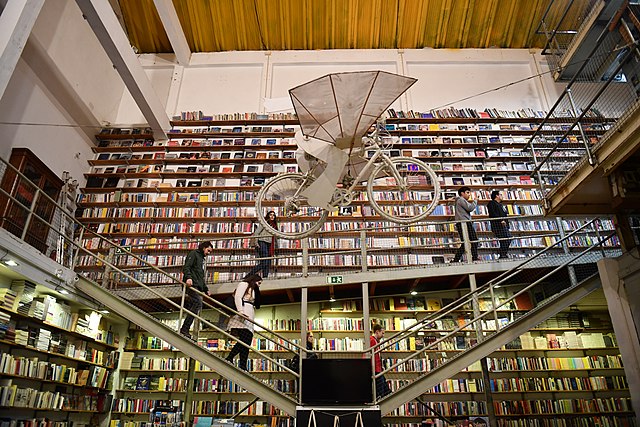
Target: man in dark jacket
[193, 271]
[465, 204]
[499, 227]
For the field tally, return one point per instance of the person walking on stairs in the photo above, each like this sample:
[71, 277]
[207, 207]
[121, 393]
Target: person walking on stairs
[247, 298]
[265, 245]
[193, 272]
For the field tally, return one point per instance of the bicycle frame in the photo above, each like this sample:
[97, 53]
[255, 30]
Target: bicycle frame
[372, 162]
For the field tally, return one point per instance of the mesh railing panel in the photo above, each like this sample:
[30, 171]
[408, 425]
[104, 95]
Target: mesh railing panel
[115, 268]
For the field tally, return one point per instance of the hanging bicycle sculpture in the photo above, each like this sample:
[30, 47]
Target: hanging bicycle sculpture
[340, 150]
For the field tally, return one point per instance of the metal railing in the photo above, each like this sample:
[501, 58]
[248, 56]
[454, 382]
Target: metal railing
[272, 349]
[602, 92]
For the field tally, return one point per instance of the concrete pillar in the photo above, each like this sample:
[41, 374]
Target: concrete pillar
[620, 280]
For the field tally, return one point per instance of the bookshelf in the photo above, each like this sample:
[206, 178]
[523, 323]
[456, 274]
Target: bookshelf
[15, 217]
[139, 191]
[57, 361]
[567, 369]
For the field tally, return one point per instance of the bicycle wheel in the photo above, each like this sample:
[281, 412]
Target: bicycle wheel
[411, 199]
[296, 218]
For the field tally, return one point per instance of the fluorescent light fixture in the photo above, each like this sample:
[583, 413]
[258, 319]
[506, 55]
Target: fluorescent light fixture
[64, 291]
[332, 299]
[414, 293]
[10, 263]
[104, 311]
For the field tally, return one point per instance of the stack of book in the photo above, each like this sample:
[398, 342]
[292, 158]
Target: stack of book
[8, 299]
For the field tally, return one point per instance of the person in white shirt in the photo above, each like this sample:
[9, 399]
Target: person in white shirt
[247, 298]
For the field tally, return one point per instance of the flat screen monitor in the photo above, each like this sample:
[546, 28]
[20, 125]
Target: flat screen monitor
[336, 381]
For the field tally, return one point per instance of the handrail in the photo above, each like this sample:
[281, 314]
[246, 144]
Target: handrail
[220, 307]
[491, 284]
[462, 301]
[279, 340]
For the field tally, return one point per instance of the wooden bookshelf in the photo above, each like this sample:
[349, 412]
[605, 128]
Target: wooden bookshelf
[139, 191]
[54, 360]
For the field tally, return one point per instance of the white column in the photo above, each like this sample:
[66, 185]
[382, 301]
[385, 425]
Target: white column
[172, 26]
[106, 27]
[16, 22]
[623, 302]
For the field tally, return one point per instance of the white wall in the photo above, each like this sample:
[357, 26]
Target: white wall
[239, 81]
[31, 119]
[63, 90]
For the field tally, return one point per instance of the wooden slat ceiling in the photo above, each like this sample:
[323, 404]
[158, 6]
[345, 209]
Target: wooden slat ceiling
[228, 25]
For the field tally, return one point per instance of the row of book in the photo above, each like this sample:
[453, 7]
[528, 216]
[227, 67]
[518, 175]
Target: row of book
[589, 420]
[554, 363]
[593, 383]
[125, 131]
[143, 405]
[222, 385]
[319, 242]
[230, 407]
[245, 116]
[448, 409]
[39, 422]
[130, 360]
[26, 397]
[563, 406]
[453, 112]
[487, 127]
[32, 367]
[155, 383]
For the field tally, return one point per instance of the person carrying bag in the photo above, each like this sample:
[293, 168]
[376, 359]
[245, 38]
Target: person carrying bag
[247, 299]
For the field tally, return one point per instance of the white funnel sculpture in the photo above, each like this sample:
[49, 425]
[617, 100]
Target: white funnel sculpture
[339, 108]
[335, 112]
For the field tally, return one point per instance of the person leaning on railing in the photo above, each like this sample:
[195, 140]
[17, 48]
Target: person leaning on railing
[265, 245]
[465, 204]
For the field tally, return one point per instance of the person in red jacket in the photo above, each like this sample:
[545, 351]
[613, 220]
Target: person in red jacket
[382, 388]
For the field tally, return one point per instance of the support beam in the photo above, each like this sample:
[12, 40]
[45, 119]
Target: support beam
[620, 278]
[173, 28]
[107, 29]
[16, 22]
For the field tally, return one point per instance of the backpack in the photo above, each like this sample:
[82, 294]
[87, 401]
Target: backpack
[229, 302]
[293, 363]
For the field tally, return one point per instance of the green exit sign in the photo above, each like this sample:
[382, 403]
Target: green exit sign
[334, 280]
[121, 251]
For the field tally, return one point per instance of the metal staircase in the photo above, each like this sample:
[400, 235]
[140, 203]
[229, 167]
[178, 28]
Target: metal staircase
[538, 270]
[571, 273]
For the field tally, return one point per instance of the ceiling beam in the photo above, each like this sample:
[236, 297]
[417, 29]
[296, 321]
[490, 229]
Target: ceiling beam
[107, 29]
[17, 18]
[172, 26]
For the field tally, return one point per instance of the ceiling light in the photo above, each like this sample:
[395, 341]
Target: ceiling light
[10, 263]
[104, 311]
[64, 291]
[414, 293]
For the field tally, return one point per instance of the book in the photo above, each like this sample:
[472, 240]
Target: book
[433, 304]
[523, 301]
[143, 382]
